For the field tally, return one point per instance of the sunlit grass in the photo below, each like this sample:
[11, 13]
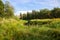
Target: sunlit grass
[12, 29]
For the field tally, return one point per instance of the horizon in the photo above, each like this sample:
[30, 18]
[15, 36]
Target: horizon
[23, 6]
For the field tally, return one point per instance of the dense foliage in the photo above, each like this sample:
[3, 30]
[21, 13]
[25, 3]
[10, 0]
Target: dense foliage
[42, 14]
[9, 10]
[1, 8]
[6, 9]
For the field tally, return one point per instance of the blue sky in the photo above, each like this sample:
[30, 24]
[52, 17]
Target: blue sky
[28, 5]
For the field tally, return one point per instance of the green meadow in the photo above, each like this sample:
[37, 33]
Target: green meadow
[36, 25]
[14, 29]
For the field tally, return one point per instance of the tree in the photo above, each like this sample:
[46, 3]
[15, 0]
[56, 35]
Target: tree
[9, 10]
[55, 13]
[21, 17]
[44, 13]
[1, 8]
[24, 17]
[29, 16]
[33, 14]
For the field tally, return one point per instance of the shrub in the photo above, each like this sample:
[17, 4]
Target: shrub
[38, 22]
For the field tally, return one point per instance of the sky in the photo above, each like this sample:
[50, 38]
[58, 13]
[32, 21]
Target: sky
[29, 5]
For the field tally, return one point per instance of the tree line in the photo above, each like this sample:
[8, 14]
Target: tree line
[6, 9]
[42, 14]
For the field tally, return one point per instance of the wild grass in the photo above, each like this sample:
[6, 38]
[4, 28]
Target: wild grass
[13, 29]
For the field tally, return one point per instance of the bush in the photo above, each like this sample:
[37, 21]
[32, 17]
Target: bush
[35, 22]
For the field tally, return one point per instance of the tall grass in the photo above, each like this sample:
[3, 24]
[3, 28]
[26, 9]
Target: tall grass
[12, 29]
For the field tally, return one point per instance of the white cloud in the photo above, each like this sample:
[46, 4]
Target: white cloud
[47, 2]
[18, 12]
